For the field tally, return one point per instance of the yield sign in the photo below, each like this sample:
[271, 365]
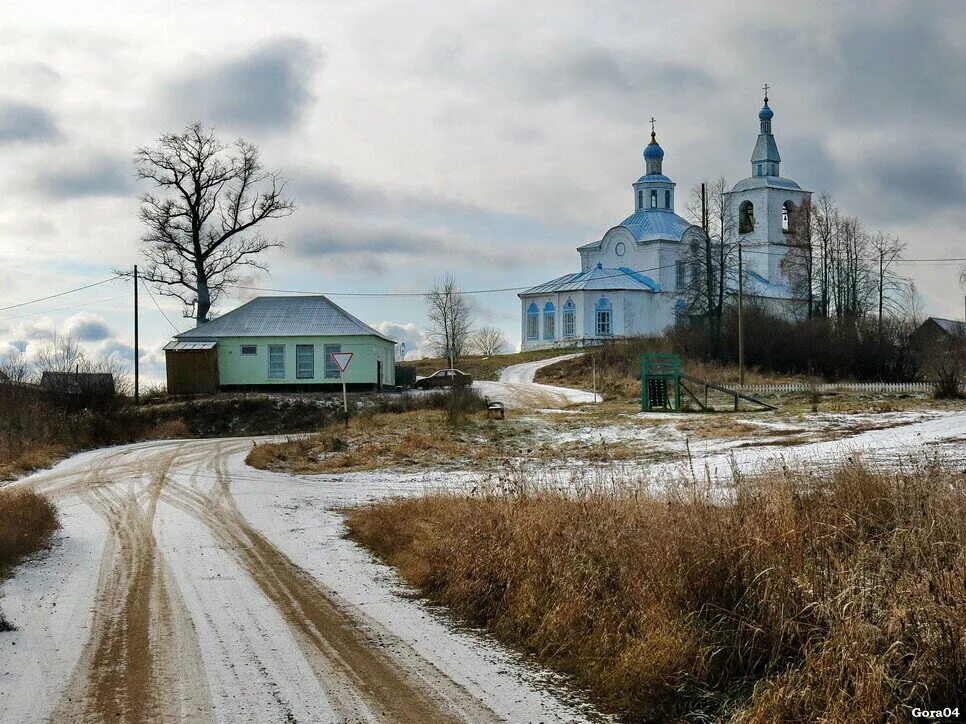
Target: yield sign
[342, 359]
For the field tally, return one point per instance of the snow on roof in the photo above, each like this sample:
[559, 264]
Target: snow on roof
[599, 278]
[310, 316]
[950, 326]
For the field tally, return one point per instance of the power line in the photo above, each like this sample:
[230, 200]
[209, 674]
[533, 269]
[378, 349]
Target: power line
[59, 294]
[151, 294]
[65, 309]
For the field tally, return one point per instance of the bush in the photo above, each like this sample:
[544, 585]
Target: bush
[27, 522]
[808, 597]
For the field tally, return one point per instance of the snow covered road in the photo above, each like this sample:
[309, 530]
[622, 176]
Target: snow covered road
[186, 586]
[516, 388]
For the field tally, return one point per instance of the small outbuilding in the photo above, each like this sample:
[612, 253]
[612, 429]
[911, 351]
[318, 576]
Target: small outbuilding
[279, 343]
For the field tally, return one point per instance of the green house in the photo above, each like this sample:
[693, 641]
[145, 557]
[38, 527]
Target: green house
[281, 343]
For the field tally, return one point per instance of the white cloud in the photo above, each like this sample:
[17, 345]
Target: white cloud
[87, 327]
[417, 345]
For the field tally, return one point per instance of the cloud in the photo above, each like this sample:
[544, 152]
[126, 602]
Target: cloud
[95, 176]
[87, 327]
[267, 89]
[26, 123]
[417, 344]
[33, 330]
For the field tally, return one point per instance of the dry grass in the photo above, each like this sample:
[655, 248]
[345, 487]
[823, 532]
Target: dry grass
[27, 522]
[18, 461]
[836, 597]
[407, 439]
[487, 368]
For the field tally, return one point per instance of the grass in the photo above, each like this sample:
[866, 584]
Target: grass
[27, 522]
[486, 368]
[837, 596]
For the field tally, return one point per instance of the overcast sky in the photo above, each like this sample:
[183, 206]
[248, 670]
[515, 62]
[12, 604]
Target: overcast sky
[485, 138]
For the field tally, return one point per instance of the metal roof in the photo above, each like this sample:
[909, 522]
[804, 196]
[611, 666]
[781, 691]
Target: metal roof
[766, 149]
[177, 346]
[950, 326]
[771, 182]
[312, 316]
[597, 279]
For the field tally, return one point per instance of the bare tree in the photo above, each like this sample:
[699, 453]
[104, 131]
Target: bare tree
[201, 226]
[886, 251]
[450, 314]
[489, 341]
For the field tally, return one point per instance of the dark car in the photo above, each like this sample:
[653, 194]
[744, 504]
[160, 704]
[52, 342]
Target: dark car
[444, 378]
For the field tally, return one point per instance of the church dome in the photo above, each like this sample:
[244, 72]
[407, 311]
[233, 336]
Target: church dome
[766, 113]
[653, 151]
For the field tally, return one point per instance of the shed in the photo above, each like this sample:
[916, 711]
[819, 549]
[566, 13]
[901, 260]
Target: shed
[280, 343]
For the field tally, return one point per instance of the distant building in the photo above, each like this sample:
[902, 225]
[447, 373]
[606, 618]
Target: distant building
[937, 330]
[634, 281]
[279, 343]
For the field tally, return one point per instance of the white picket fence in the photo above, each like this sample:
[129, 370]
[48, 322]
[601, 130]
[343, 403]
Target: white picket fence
[898, 387]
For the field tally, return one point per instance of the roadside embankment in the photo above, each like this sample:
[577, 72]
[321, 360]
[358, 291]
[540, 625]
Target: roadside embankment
[27, 522]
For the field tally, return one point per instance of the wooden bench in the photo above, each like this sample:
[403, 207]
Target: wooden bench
[495, 410]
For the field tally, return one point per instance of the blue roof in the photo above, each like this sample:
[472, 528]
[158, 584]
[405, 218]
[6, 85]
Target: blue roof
[771, 182]
[597, 279]
[653, 149]
[766, 149]
[766, 113]
[655, 178]
[656, 225]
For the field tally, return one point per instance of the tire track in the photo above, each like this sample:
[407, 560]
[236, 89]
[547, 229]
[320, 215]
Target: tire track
[141, 662]
[363, 683]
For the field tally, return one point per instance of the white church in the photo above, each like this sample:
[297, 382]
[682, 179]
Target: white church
[632, 281]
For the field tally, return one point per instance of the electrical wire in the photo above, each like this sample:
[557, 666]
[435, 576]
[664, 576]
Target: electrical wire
[60, 294]
[151, 294]
[73, 306]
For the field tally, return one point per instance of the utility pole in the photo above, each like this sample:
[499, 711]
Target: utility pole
[136, 355]
[741, 325]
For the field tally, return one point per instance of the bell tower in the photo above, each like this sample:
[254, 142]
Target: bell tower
[764, 206]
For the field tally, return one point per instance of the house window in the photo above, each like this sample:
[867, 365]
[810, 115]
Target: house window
[249, 350]
[570, 319]
[667, 199]
[679, 274]
[276, 361]
[304, 361]
[533, 321]
[746, 217]
[605, 314]
[549, 318]
[653, 198]
[330, 369]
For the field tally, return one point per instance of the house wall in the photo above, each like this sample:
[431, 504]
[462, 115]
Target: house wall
[238, 369]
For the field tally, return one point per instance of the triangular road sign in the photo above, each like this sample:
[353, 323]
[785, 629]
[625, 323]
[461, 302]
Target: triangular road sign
[342, 360]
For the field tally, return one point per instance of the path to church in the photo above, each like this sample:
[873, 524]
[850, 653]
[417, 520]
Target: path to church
[188, 587]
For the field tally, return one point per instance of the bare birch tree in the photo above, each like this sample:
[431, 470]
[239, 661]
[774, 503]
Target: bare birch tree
[886, 251]
[489, 341]
[450, 315]
[202, 226]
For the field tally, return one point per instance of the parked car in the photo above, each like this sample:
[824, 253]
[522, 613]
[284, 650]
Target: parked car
[443, 378]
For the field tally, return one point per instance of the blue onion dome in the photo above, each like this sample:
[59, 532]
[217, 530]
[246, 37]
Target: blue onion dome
[653, 149]
[766, 113]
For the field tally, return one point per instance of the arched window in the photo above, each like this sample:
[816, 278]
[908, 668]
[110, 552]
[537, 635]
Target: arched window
[667, 199]
[533, 321]
[653, 198]
[788, 217]
[570, 319]
[604, 313]
[746, 217]
[549, 317]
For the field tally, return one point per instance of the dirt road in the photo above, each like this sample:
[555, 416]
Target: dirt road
[516, 387]
[186, 587]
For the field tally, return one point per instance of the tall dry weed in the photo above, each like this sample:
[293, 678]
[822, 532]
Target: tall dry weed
[836, 596]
